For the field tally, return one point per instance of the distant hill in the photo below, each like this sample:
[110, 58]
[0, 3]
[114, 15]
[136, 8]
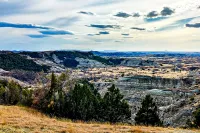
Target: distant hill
[43, 61]
[152, 54]
[16, 119]
[59, 60]
[10, 61]
[69, 59]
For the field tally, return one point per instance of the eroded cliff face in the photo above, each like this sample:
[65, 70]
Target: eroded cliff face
[173, 96]
[137, 62]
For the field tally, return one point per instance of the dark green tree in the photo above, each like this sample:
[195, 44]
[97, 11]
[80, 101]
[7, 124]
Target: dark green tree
[2, 94]
[13, 94]
[48, 101]
[81, 104]
[148, 113]
[53, 83]
[195, 122]
[26, 97]
[197, 118]
[114, 108]
[60, 94]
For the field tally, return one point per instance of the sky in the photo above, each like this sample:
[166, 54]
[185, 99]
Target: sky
[121, 25]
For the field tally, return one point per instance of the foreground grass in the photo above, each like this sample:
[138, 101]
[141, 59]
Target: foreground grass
[14, 119]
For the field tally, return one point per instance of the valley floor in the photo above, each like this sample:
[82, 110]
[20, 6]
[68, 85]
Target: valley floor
[14, 119]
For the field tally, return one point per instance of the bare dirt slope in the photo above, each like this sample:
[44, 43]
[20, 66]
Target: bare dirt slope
[14, 119]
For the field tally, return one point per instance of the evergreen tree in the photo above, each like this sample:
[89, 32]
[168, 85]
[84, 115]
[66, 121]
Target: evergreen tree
[60, 94]
[114, 108]
[81, 103]
[53, 83]
[48, 101]
[197, 118]
[148, 113]
[26, 98]
[2, 94]
[13, 93]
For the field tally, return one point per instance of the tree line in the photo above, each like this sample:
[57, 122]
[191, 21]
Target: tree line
[83, 102]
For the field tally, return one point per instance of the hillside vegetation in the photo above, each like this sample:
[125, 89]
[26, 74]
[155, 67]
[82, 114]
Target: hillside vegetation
[11, 61]
[81, 103]
[14, 119]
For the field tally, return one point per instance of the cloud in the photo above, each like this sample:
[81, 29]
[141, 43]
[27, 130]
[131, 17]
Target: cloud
[44, 29]
[56, 32]
[37, 36]
[100, 33]
[127, 37]
[197, 25]
[136, 28]
[152, 14]
[104, 33]
[65, 15]
[166, 11]
[136, 15]
[105, 26]
[90, 34]
[102, 40]
[104, 2]
[27, 26]
[124, 34]
[63, 21]
[86, 13]
[122, 15]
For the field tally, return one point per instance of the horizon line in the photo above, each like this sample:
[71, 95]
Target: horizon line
[108, 51]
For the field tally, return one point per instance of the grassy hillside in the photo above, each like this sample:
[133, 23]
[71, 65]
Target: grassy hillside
[14, 119]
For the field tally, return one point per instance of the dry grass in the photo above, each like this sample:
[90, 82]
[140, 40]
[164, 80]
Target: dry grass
[14, 119]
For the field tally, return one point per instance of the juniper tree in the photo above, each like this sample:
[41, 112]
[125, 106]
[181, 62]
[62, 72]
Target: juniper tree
[148, 113]
[48, 101]
[197, 118]
[82, 103]
[114, 107]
